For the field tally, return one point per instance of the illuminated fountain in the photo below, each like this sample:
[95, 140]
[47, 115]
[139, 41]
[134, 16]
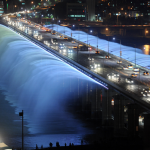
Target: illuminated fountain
[37, 82]
[128, 52]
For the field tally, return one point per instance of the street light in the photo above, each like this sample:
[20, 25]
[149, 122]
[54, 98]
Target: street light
[135, 55]
[71, 29]
[21, 114]
[120, 47]
[87, 36]
[87, 41]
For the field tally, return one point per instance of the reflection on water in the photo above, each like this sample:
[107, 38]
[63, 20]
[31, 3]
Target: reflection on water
[146, 49]
[3, 145]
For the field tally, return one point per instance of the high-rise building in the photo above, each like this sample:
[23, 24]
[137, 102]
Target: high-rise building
[22, 5]
[1, 8]
[90, 10]
[76, 11]
[49, 2]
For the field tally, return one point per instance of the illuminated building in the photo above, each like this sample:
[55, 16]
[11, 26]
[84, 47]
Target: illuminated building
[1, 8]
[90, 10]
[76, 11]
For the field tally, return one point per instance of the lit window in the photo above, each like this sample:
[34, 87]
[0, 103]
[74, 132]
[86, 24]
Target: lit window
[78, 15]
[112, 102]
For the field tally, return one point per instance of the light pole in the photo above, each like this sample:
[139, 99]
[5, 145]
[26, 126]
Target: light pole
[87, 36]
[135, 55]
[52, 23]
[108, 46]
[71, 29]
[117, 17]
[87, 41]
[57, 26]
[21, 114]
[120, 47]
[97, 41]
[64, 30]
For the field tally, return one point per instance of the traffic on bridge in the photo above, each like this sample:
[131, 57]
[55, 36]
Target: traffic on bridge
[127, 67]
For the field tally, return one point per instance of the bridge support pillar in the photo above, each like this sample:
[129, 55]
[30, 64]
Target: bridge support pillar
[118, 115]
[86, 105]
[106, 108]
[147, 130]
[133, 120]
[95, 101]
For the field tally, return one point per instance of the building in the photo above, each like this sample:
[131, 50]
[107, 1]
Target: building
[1, 8]
[50, 2]
[22, 5]
[90, 10]
[76, 11]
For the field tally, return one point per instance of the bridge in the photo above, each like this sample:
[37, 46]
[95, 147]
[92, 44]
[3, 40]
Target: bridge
[112, 77]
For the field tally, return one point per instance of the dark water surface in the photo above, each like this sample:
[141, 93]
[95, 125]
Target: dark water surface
[69, 129]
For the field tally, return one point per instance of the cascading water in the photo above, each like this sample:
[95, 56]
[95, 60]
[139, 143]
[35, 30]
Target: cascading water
[35, 81]
[128, 53]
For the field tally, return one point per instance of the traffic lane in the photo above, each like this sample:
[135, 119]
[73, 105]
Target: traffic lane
[43, 33]
[119, 67]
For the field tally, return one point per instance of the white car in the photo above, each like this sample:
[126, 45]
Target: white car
[113, 75]
[147, 90]
[136, 69]
[129, 80]
[130, 66]
[70, 50]
[89, 58]
[125, 68]
[96, 65]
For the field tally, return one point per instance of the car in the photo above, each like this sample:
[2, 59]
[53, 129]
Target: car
[65, 38]
[96, 65]
[119, 62]
[60, 36]
[75, 47]
[53, 33]
[61, 47]
[133, 75]
[89, 58]
[146, 90]
[145, 73]
[97, 52]
[61, 44]
[129, 80]
[73, 42]
[70, 50]
[107, 56]
[125, 68]
[113, 75]
[145, 94]
[136, 69]
[130, 66]
[92, 67]
[136, 72]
